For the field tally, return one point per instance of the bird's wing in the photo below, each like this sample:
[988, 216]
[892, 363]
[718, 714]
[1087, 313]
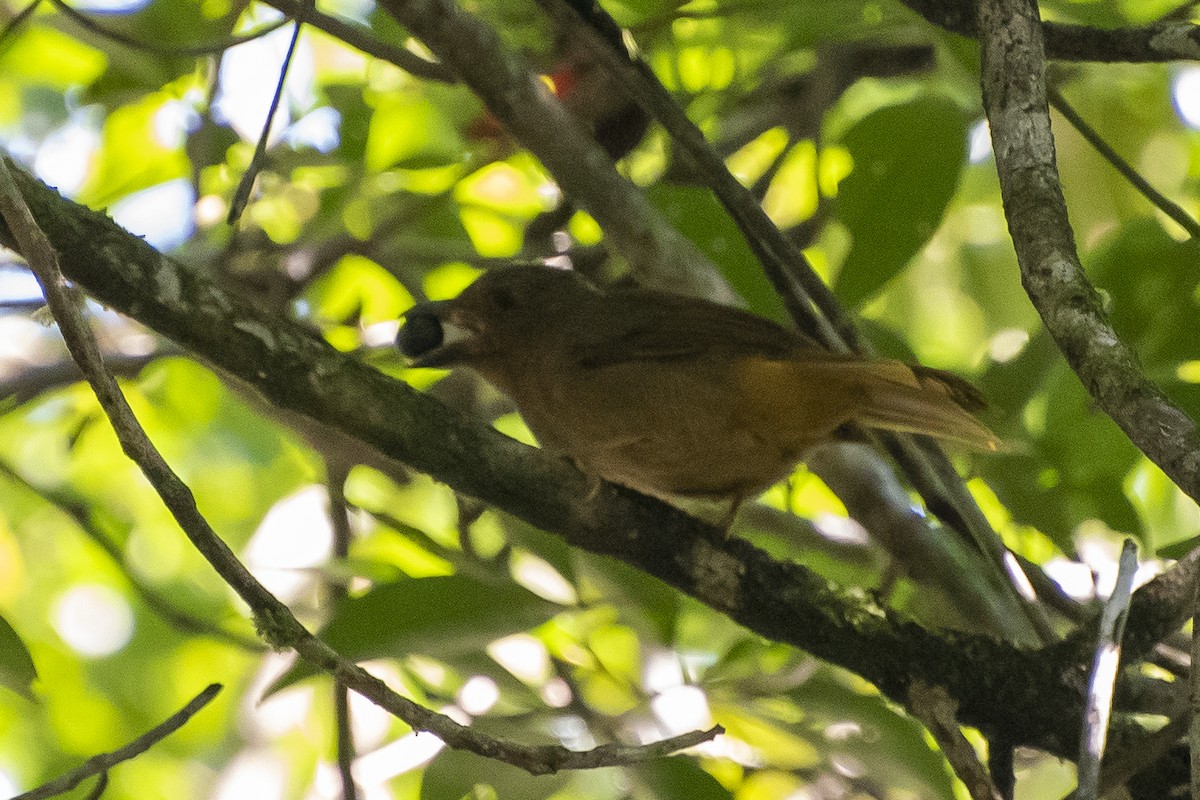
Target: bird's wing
[656, 326]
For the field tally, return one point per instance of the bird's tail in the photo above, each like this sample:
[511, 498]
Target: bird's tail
[924, 401]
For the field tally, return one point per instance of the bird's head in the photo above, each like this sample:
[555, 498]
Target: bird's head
[503, 314]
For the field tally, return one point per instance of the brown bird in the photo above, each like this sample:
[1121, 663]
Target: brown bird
[671, 395]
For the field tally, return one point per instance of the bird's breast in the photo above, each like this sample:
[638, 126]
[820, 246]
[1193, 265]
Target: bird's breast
[659, 427]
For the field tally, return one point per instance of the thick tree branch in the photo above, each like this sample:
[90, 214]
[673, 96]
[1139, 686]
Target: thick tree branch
[1031, 698]
[812, 305]
[1163, 41]
[1014, 94]
[274, 619]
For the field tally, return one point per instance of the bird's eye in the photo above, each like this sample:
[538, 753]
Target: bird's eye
[504, 299]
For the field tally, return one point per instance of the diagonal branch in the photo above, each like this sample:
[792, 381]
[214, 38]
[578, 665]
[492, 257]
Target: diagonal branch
[101, 764]
[1161, 41]
[1014, 94]
[523, 104]
[274, 619]
[782, 601]
[1127, 170]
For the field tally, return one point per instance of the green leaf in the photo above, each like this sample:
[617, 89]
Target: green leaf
[680, 776]
[132, 157]
[697, 214]
[46, 57]
[17, 671]
[862, 727]
[1151, 279]
[441, 616]
[455, 774]
[907, 163]
[1178, 550]
[646, 603]
[1071, 463]
[407, 130]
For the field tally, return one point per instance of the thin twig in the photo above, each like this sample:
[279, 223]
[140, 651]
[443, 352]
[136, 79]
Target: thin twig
[1103, 677]
[101, 764]
[242, 196]
[181, 50]
[934, 707]
[160, 605]
[101, 786]
[339, 520]
[1157, 198]
[274, 619]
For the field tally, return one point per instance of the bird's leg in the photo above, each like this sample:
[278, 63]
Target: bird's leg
[726, 521]
[594, 481]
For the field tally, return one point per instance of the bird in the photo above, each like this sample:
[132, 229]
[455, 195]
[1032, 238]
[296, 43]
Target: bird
[671, 395]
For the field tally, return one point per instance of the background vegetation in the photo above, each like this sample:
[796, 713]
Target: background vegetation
[860, 128]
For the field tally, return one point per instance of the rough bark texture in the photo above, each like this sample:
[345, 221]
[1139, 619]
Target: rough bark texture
[1014, 93]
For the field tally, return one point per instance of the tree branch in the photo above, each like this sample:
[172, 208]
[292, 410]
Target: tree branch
[1014, 94]
[656, 251]
[274, 619]
[101, 764]
[1106, 151]
[1032, 698]
[935, 709]
[1163, 41]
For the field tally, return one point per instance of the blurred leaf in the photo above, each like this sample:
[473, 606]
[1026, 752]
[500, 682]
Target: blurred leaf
[356, 290]
[552, 549]
[646, 603]
[45, 57]
[17, 671]
[1151, 281]
[440, 616]
[454, 774]
[1179, 549]
[907, 163]
[678, 777]
[863, 731]
[701, 218]
[132, 157]
[409, 131]
[777, 742]
[1073, 467]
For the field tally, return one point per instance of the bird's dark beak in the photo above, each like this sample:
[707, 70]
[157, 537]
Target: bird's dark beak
[430, 339]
